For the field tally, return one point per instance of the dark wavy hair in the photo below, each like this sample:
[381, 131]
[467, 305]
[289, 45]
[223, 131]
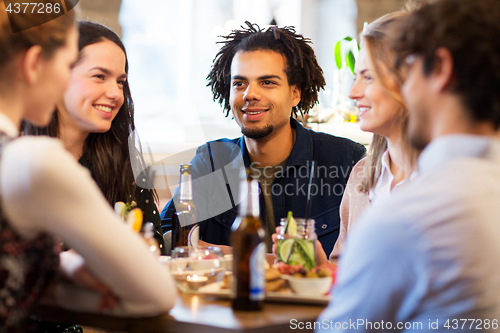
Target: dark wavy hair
[302, 67]
[108, 152]
[470, 30]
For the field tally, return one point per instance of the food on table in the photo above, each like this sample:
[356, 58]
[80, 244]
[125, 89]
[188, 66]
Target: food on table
[324, 270]
[275, 285]
[274, 282]
[121, 209]
[134, 219]
[316, 281]
[288, 269]
[311, 274]
[272, 274]
[227, 280]
[130, 214]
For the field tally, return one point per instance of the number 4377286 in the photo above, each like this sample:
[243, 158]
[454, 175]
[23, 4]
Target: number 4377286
[33, 7]
[471, 324]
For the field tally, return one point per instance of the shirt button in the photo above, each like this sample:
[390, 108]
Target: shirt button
[324, 226]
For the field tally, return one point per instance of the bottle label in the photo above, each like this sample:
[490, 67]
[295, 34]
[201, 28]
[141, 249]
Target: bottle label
[194, 236]
[257, 281]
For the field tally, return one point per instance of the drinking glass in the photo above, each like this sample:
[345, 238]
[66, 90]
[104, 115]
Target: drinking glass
[193, 268]
[298, 249]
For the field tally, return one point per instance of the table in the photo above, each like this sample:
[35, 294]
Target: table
[194, 313]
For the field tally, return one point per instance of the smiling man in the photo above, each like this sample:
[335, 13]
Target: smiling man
[263, 77]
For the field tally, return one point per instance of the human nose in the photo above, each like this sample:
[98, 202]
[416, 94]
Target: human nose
[251, 93]
[114, 91]
[357, 90]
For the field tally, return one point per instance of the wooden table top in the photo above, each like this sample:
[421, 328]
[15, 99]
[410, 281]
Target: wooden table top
[194, 313]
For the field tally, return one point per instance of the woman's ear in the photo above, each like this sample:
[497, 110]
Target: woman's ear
[32, 64]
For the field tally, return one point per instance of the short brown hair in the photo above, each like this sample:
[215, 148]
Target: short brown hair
[50, 35]
[470, 30]
[302, 69]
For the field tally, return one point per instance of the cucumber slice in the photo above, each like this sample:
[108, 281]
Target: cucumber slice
[297, 259]
[291, 225]
[303, 248]
[285, 249]
[308, 247]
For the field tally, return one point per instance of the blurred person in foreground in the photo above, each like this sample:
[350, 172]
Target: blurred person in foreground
[263, 78]
[427, 257]
[46, 197]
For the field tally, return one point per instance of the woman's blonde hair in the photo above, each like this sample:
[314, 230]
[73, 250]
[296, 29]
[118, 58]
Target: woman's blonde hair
[50, 35]
[376, 39]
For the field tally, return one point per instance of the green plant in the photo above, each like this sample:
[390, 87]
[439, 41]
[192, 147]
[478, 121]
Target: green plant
[346, 52]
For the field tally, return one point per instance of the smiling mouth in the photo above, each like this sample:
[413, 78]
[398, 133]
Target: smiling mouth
[103, 108]
[254, 112]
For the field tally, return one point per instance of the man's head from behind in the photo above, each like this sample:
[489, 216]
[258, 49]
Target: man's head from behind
[451, 48]
[300, 66]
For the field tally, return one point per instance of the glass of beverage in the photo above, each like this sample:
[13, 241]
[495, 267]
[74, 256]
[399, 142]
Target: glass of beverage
[193, 268]
[298, 248]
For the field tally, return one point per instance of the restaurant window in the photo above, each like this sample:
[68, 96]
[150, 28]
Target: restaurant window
[171, 45]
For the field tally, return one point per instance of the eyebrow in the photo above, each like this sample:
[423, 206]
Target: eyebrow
[106, 71]
[264, 77]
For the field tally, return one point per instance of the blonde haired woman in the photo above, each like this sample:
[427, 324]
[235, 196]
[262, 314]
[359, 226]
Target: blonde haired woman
[391, 160]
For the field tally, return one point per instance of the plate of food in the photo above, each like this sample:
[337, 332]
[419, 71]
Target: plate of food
[284, 283]
[295, 277]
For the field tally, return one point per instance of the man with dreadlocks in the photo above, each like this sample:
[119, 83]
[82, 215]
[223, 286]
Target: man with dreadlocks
[265, 77]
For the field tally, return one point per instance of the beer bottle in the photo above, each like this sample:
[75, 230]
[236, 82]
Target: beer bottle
[248, 248]
[185, 229]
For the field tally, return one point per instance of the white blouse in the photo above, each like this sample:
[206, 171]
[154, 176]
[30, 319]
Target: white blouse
[43, 189]
[383, 187]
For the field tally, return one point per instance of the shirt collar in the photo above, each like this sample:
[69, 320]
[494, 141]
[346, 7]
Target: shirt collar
[302, 151]
[385, 165]
[7, 126]
[450, 147]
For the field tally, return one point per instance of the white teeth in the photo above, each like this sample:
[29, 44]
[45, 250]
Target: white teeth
[253, 112]
[103, 108]
[363, 109]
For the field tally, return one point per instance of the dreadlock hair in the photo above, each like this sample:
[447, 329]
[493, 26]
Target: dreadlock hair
[302, 69]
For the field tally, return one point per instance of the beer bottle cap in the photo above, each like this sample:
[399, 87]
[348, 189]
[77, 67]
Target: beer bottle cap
[186, 167]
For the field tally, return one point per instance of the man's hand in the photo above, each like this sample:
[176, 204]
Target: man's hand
[274, 237]
[224, 248]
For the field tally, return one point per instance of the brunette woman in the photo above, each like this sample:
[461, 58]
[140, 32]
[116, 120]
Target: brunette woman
[95, 122]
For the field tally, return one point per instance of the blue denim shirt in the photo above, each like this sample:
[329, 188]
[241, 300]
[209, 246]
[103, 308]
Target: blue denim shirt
[217, 201]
